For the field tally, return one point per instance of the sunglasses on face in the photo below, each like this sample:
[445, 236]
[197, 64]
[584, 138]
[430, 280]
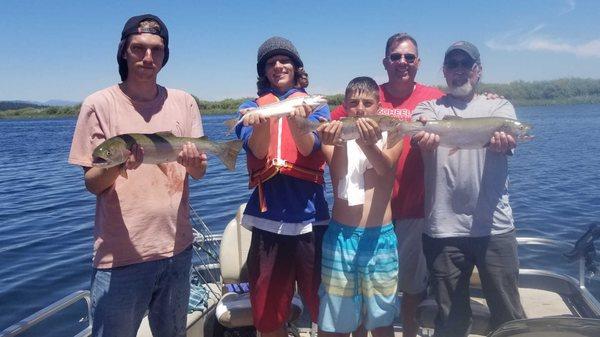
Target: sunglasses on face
[454, 64]
[409, 58]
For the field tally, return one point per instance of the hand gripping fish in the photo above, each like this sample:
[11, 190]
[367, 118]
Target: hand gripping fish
[160, 148]
[280, 109]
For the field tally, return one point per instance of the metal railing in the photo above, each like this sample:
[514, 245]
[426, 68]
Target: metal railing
[51, 310]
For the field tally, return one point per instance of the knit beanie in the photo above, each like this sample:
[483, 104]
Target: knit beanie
[276, 46]
[132, 26]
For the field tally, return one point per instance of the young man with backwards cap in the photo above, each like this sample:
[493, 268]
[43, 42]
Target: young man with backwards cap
[468, 217]
[287, 210]
[142, 233]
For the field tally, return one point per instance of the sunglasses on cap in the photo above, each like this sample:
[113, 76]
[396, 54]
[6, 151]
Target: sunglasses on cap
[453, 64]
[409, 58]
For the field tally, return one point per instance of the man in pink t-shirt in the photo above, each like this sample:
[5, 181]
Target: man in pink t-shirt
[399, 97]
[142, 233]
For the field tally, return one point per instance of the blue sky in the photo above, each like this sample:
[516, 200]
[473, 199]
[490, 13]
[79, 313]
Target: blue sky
[66, 49]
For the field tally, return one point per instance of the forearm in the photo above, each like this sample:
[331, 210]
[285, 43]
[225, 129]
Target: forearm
[259, 140]
[304, 142]
[97, 180]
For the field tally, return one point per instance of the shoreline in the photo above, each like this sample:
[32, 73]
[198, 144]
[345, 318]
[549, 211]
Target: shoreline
[33, 113]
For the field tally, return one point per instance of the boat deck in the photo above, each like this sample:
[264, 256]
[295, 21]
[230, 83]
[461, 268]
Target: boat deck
[536, 303]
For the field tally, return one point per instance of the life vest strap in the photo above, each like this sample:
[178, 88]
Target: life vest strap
[278, 165]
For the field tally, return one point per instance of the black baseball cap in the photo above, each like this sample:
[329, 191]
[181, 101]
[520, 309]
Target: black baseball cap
[132, 26]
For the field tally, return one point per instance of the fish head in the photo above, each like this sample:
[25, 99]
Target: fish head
[519, 129]
[111, 152]
[315, 101]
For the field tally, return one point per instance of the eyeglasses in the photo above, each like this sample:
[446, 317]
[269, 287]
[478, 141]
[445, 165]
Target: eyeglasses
[409, 58]
[453, 64]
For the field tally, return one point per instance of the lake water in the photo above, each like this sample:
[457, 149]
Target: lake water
[46, 215]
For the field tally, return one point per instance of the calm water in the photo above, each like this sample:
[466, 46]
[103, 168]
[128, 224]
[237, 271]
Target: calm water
[46, 215]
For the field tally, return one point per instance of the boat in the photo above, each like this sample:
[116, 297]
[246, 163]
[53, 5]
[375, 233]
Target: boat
[555, 304]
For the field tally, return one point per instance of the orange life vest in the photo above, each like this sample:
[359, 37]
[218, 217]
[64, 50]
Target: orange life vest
[283, 155]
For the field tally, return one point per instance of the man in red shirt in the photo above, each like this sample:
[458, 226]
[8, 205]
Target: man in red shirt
[399, 96]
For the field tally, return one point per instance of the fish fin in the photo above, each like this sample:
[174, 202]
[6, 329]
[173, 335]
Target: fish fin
[123, 171]
[231, 124]
[228, 152]
[487, 144]
[205, 137]
[394, 136]
[453, 151]
[163, 168]
[450, 117]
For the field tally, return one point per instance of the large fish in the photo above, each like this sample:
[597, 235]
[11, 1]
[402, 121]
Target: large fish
[281, 108]
[468, 133]
[160, 148]
[454, 132]
[349, 127]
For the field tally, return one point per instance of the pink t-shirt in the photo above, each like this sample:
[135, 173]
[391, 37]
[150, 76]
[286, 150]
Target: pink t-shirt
[146, 216]
[408, 194]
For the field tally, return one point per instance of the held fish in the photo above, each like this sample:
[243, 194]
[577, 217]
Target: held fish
[160, 148]
[349, 127]
[280, 109]
[454, 132]
[468, 133]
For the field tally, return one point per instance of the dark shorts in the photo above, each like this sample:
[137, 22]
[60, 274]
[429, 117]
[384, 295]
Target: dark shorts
[275, 263]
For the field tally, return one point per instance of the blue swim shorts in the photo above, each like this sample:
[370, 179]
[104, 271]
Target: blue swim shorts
[359, 278]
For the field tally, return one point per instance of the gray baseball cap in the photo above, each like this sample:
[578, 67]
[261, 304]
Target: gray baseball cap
[466, 47]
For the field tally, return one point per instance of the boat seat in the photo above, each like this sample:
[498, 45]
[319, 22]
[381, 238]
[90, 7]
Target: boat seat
[427, 311]
[234, 310]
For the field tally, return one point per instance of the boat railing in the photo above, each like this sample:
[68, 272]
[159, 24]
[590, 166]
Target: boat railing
[52, 309]
[583, 269]
[205, 248]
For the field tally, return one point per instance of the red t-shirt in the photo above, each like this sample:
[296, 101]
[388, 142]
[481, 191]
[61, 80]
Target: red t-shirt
[408, 194]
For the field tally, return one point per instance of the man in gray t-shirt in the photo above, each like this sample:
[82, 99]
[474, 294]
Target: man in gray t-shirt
[468, 218]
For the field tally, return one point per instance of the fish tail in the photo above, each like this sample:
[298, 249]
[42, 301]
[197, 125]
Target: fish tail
[231, 124]
[228, 152]
[306, 125]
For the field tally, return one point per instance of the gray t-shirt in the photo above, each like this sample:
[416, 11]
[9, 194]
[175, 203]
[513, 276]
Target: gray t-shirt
[466, 193]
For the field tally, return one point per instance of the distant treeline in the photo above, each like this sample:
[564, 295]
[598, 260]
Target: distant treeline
[520, 93]
[6, 105]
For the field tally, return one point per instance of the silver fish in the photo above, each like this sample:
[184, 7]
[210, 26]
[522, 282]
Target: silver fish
[454, 132]
[160, 148]
[349, 127]
[468, 133]
[280, 109]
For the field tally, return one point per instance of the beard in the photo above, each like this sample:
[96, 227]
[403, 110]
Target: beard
[463, 90]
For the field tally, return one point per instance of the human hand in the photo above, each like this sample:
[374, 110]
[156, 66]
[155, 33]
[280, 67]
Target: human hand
[190, 157]
[253, 118]
[330, 132]
[301, 111]
[135, 159]
[502, 142]
[369, 131]
[425, 140]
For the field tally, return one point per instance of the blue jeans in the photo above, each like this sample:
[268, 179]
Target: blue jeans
[121, 296]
